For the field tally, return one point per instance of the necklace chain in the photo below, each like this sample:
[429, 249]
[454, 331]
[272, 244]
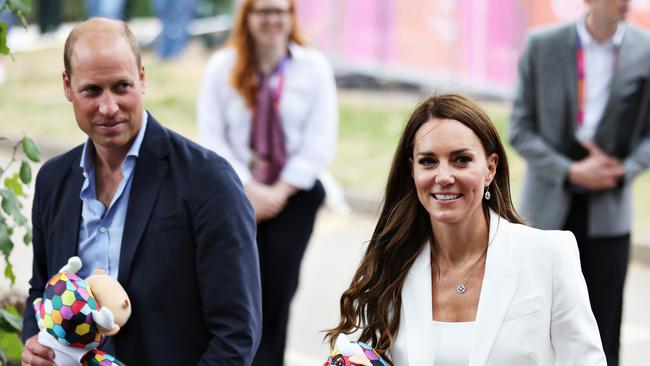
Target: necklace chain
[461, 288]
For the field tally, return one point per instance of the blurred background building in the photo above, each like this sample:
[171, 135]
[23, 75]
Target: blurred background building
[468, 45]
[471, 44]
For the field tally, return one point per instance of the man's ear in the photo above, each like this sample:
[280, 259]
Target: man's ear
[143, 79]
[67, 88]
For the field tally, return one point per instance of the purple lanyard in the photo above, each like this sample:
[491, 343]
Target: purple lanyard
[279, 72]
[580, 65]
[581, 77]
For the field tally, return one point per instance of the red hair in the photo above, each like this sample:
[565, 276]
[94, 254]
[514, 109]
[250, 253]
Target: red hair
[243, 76]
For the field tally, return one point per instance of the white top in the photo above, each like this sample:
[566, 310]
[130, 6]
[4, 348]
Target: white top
[452, 342]
[308, 113]
[600, 61]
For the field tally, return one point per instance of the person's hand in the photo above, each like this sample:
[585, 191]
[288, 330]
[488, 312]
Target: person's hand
[36, 354]
[597, 171]
[284, 189]
[267, 201]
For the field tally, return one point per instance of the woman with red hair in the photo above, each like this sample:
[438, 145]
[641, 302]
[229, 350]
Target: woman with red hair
[268, 105]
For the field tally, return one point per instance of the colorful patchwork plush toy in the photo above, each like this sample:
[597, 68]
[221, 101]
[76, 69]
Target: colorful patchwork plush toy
[348, 353]
[75, 314]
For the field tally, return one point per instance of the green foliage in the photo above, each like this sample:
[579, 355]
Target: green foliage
[10, 328]
[11, 216]
[12, 191]
[19, 8]
[3, 39]
[10, 319]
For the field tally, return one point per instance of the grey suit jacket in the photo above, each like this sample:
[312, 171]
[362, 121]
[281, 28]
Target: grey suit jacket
[542, 127]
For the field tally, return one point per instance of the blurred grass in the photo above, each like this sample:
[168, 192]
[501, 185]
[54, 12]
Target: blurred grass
[32, 102]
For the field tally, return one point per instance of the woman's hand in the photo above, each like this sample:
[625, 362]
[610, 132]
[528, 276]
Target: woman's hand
[267, 200]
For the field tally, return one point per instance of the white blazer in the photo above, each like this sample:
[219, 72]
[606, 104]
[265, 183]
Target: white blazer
[533, 307]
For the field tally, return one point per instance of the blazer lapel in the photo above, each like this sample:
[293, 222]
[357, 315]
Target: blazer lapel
[70, 209]
[149, 173]
[499, 283]
[416, 308]
[608, 125]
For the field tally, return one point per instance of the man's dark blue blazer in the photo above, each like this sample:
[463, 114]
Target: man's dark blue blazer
[188, 260]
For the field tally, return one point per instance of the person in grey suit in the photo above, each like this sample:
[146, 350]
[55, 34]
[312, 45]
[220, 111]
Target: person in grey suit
[581, 121]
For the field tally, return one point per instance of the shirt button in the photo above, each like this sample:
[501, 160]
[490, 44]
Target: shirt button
[102, 229]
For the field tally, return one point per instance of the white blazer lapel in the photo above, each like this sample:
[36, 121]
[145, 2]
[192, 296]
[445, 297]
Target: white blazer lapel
[499, 283]
[416, 309]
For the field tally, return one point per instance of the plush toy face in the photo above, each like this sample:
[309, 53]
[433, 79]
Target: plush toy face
[66, 311]
[110, 294]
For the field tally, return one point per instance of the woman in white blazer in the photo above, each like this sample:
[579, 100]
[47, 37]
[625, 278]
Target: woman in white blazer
[451, 276]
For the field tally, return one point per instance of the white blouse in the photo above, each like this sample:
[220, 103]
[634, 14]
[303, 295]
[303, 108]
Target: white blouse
[308, 112]
[449, 343]
[452, 342]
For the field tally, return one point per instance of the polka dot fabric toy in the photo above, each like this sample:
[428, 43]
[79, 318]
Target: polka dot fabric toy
[75, 315]
[348, 353]
[100, 358]
[66, 311]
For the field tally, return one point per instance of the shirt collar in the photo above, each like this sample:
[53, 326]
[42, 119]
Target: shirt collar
[586, 39]
[296, 51]
[87, 163]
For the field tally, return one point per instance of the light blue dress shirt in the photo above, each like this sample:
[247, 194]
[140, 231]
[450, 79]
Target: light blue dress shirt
[101, 229]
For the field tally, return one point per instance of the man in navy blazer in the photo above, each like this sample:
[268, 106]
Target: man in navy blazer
[168, 218]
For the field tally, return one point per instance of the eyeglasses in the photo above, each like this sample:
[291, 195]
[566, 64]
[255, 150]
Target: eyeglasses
[270, 12]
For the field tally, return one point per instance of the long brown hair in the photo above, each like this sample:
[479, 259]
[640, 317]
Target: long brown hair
[373, 301]
[244, 74]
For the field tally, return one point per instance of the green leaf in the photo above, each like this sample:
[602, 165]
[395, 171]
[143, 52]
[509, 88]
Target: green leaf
[3, 39]
[11, 345]
[25, 172]
[27, 238]
[31, 149]
[4, 359]
[12, 309]
[13, 184]
[6, 245]
[11, 206]
[19, 5]
[12, 319]
[9, 272]
[21, 8]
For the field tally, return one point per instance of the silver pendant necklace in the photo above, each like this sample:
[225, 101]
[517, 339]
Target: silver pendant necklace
[462, 287]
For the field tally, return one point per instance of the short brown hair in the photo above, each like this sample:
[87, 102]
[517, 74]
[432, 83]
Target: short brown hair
[99, 25]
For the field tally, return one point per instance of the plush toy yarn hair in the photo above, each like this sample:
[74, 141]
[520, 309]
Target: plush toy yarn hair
[348, 353]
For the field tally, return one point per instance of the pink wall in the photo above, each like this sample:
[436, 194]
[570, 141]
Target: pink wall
[425, 37]
[474, 43]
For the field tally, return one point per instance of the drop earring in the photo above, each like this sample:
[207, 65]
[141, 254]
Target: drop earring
[487, 194]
